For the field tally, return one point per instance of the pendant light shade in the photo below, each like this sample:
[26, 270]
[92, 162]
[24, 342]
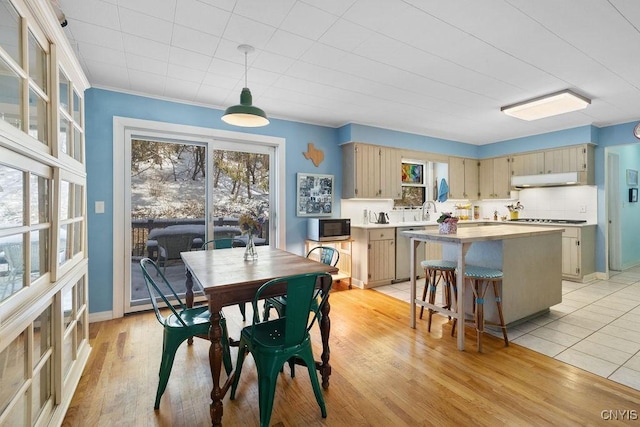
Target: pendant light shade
[245, 114]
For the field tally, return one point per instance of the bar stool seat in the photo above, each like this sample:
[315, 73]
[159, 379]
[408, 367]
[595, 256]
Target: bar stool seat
[479, 279]
[435, 271]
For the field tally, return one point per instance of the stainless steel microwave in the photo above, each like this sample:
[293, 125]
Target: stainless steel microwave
[324, 229]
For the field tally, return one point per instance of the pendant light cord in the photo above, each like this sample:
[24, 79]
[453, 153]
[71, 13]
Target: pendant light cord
[245, 69]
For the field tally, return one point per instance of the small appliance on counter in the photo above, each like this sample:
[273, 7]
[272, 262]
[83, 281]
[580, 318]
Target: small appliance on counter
[326, 229]
[380, 217]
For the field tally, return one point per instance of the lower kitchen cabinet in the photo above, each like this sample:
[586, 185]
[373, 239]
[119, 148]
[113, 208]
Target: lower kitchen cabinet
[578, 253]
[374, 256]
[403, 254]
[433, 249]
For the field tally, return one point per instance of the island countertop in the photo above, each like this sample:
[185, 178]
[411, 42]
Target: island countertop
[482, 233]
[472, 223]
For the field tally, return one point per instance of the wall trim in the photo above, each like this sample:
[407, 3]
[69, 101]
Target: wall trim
[101, 316]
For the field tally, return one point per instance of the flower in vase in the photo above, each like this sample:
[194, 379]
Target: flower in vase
[447, 217]
[250, 225]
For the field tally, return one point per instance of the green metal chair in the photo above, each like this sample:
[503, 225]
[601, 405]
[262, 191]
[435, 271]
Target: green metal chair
[324, 254]
[276, 341]
[225, 243]
[183, 323]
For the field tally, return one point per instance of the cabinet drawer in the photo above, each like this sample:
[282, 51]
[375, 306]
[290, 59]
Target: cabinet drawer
[571, 232]
[382, 234]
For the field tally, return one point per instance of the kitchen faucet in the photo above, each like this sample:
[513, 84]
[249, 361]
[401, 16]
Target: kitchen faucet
[427, 217]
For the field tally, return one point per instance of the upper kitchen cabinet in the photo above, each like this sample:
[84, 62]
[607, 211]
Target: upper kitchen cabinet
[576, 158]
[570, 159]
[371, 171]
[495, 176]
[528, 164]
[390, 173]
[463, 178]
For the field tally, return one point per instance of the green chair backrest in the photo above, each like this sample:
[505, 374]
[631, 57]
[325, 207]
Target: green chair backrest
[301, 293]
[155, 293]
[326, 254]
[224, 243]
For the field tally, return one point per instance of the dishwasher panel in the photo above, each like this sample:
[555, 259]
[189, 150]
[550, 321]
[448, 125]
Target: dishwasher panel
[403, 250]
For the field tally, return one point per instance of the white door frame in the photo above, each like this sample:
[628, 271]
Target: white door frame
[123, 129]
[612, 218]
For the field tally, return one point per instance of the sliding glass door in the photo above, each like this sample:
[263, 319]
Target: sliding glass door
[185, 193]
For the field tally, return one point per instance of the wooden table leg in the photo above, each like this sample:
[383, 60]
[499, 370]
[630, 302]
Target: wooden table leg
[189, 285]
[189, 295]
[215, 362]
[325, 329]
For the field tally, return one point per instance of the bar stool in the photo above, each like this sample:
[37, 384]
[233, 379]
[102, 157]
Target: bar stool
[480, 278]
[437, 270]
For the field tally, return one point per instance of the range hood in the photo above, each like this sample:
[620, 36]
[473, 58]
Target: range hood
[545, 180]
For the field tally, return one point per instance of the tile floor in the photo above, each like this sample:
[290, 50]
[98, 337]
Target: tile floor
[595, 328]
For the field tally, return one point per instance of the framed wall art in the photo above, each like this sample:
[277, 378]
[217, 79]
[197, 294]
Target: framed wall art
[314, 194]
[632, 177]
[633, 195]
[412, 173]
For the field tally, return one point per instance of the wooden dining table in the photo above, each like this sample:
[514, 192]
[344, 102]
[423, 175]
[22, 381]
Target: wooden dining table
[228, 279]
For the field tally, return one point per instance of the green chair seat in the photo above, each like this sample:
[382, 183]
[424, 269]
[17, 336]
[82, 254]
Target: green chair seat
[439, 264]
[478, 272]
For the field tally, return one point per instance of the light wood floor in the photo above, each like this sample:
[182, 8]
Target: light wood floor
[384, 374]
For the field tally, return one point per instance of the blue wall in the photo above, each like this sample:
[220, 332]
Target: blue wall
[621, 140]
[102, 105]
[410, 141]
[574, 136]
[100, 108]
[629, 212]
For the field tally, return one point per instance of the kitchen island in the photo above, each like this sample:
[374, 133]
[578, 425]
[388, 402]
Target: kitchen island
[529, 257]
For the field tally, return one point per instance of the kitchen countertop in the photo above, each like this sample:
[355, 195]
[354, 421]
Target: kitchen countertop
[479, 222]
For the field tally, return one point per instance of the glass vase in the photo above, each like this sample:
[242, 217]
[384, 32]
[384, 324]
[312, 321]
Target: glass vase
[250, 253]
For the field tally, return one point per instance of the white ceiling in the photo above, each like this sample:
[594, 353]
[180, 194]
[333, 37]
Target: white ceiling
[431, 67]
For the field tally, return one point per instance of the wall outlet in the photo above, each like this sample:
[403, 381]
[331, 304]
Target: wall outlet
[582, 209]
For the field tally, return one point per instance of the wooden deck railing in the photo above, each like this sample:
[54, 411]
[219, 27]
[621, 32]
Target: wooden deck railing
[141, 227]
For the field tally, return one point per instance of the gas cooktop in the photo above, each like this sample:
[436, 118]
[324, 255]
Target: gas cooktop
[551, 221]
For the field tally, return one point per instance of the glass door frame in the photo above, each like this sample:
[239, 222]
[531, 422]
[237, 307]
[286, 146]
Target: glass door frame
[126, 129]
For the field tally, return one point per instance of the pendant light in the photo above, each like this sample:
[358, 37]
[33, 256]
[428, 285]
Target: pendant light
[245, 114]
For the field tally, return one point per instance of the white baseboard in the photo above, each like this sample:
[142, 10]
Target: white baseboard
[100, 316]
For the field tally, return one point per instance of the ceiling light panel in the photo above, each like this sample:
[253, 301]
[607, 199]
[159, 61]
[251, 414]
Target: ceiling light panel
[547, 106]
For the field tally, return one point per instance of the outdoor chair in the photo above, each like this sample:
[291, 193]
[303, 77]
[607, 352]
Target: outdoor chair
[276, 341]
[225, 243]
[170, 246]
[183, 323]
